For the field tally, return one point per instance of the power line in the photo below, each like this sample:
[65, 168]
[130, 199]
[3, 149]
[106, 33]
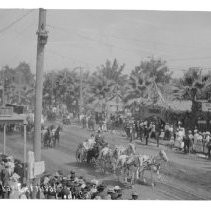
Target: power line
[67, 57]
[130, 51]
[15, 21]
[130, 39]
[124, 49]
[105, 44]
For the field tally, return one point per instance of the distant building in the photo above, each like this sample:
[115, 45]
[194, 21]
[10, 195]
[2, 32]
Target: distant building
[115, 104]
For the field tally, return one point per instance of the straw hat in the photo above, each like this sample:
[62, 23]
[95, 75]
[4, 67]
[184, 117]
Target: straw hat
[95, 182]
[110, 190]
[117, 188]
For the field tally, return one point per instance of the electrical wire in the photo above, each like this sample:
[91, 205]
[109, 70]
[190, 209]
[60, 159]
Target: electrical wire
[121, 38]
[68, 57]
[137, 40]
[2, 30]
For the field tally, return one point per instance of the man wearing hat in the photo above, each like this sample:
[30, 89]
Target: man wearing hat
[146, 132]
[114, 196]
[187, 141]
[72, 176]
[101, 191]
[134, 196]
[66, 193]
[117, 193]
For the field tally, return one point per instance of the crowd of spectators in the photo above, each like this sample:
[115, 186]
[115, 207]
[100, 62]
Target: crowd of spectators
[52, 186]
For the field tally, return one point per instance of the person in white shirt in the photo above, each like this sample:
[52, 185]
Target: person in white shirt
[92, 140]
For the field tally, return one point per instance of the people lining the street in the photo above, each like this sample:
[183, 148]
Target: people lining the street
[188, 141]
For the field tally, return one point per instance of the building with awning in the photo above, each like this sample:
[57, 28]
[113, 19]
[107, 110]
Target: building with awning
[156, 105]
[7, 117]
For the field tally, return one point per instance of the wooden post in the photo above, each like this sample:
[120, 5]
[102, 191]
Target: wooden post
[41, 41]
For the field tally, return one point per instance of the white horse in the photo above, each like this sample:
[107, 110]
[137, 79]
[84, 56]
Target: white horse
[108, 157]
[134, 166]
[152, 164]
[129, 150]
[121, 152]
[81, 153]
[129, 166]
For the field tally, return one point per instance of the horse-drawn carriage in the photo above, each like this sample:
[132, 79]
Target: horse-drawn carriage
[120, 160]
[51, 136]
[100, 154]
[89, 150]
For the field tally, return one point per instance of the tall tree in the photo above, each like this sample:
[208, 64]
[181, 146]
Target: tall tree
[143, 77]
[193, 83]
[63, 87]
[107, 81]
[18, 84]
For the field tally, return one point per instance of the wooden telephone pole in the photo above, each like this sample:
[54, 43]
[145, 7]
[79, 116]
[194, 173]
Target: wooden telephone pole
[41, 41]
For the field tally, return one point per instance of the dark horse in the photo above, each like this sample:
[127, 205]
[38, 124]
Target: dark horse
[57, 134]
[47, 138]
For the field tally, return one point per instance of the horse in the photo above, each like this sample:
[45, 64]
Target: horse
[81, 153]
[152, 164]
[106, 158]
[128, 165]
[134, 166]
[46, 136]
[122, 150]
[57, 134]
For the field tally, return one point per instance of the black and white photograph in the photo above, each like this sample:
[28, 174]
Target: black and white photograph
[102, 104]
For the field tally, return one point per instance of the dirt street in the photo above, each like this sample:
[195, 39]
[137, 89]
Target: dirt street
[185, 177]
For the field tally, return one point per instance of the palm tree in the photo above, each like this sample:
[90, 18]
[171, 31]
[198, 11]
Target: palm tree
[190, 86]
[107, 81]
[149, 75]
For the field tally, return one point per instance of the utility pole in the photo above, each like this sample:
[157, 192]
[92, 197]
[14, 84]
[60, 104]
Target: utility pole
[41, 41]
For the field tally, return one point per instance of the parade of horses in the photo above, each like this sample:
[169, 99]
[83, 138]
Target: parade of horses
[128, 128]
[137, 156]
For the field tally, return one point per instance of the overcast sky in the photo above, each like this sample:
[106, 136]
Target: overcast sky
[88, 38]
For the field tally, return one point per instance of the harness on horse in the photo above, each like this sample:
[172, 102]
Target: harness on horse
[148, 164]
